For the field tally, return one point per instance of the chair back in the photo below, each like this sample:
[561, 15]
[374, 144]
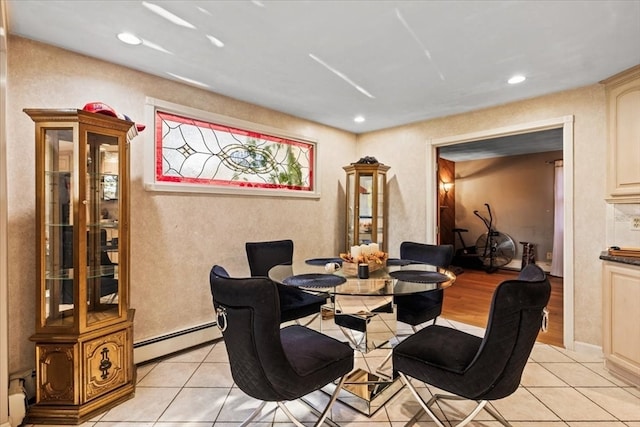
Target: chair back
[514, 321]
[264, 255]
[248, 313]
[439, 255]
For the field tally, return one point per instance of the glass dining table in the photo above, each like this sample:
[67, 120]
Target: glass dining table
[364, 311]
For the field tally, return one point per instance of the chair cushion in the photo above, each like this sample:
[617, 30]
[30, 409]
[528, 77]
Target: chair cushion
[435, 347]
[317, 358]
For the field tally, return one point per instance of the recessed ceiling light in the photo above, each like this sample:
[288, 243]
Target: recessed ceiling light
[129, 38]
[519, 78]
[167, 15]
[216, 41]
[358, 119]
[188, 80]
[154, 46]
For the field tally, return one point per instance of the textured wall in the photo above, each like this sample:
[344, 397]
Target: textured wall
[404, 149]
[175, 238]
[519, 190]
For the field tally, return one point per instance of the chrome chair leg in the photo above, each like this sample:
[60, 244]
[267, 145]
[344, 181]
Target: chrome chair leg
[332, 400]
[426, 406]
[289, 415]
[322, 417]
[254, 414]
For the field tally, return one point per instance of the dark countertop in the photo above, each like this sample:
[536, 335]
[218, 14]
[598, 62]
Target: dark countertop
[604, 255]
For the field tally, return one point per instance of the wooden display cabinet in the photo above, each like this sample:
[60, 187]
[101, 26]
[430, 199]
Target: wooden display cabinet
[366, 216]
[84, 325]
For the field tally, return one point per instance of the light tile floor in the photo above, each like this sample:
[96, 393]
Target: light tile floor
[195, 389]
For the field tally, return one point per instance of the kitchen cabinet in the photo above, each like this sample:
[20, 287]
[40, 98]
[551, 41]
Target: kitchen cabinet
[621, 320]
[623, 145]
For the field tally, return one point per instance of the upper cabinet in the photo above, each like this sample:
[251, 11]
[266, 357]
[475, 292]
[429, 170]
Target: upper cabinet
[623, 148]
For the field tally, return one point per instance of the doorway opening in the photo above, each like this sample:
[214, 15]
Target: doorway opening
[468, 143]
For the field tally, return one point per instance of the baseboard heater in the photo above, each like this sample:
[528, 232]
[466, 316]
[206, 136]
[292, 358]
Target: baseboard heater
[163, 345]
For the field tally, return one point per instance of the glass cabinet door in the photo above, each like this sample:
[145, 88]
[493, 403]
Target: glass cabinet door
[59, 181]
[102, 190]
[351, 210]
[380, 210]
[365, 218]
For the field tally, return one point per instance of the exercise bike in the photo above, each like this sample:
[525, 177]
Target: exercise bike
[495, 249]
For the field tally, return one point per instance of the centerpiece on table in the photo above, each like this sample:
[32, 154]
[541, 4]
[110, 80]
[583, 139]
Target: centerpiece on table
[364, 254]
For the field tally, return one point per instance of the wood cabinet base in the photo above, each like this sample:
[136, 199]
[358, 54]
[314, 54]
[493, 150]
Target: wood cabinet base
[48, 413]
[78, 377]
[630, 376]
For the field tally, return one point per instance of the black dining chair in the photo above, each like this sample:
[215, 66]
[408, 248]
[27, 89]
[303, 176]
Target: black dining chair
[479, 368]
[420, 308]
[271, 363]
[295, 303]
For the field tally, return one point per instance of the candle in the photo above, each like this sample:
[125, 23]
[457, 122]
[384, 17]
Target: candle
[364, 249]
[373, 248]
[355, 253]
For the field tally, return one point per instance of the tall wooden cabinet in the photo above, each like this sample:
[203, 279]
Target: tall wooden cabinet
[623, 148]
[366, 216]
[84, 325]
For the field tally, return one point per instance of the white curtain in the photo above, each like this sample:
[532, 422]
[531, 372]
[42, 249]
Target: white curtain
[557, 263]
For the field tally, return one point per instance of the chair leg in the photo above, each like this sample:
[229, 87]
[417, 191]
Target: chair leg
[254, 414]
[288, 413]
[332, 400]
[324, 413]
[426, 406]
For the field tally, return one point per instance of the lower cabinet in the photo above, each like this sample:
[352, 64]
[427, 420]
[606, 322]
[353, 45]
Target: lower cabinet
[621, 320]
[80, 377]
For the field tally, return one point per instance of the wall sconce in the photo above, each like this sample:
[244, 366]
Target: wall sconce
[446, 186]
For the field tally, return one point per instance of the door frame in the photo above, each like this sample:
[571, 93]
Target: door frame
[564, 122]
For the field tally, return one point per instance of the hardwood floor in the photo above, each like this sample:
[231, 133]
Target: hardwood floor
[469, 299]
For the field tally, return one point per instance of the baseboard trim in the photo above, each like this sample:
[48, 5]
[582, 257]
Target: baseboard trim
[586, 348]
[163, 345]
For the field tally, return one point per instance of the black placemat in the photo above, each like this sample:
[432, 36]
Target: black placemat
[400, 262]
[417, 276]
[314, 280]
[322, 261]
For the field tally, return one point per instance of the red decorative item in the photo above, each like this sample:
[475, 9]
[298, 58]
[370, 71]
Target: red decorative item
[102, 108]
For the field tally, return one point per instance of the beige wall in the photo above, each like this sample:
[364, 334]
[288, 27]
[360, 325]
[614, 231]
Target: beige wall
[176, 238]
[519, 190]
[404, 149]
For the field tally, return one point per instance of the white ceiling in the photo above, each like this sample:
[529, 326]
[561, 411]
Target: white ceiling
[416, 59]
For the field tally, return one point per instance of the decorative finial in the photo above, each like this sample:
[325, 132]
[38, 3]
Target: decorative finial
[369, 160]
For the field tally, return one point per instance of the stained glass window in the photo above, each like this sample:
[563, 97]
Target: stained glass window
[200, 152]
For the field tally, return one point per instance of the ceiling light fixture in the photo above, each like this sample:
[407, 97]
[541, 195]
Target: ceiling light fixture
[359, 119]
[154, 46]
[216, 41]
[188, 80]
[160, 11]
[341, 75]
[129, 38]
[518, 78]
